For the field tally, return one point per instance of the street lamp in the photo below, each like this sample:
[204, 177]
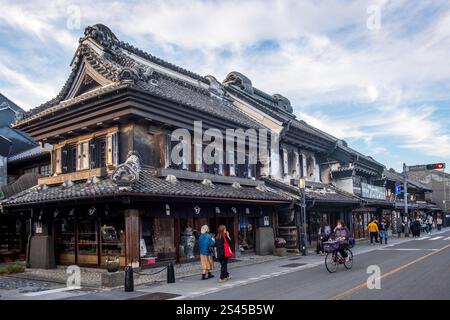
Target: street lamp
[301, 186]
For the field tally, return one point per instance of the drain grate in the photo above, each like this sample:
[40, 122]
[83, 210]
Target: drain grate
[293, 265]
[156, 296]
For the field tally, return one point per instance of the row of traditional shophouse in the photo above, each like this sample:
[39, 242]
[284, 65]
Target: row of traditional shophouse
[102, 185]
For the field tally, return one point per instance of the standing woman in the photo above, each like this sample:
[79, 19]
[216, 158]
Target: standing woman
[206, 246]
[223, 245]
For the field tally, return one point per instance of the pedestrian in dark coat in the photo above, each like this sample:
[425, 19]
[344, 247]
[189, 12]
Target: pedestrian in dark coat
[222, 236]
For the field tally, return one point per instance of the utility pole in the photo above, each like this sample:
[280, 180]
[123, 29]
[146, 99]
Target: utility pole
[405, 189]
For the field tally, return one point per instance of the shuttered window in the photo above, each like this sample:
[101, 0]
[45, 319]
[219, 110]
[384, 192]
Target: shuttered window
[83, 155]
[112, 149]
[69, 158]
[97, 152]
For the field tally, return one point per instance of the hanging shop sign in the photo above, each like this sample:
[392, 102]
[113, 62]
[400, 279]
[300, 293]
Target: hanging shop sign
[197, 209]
[91, 211]
[167, 210]
[373, 192]
[234, 210]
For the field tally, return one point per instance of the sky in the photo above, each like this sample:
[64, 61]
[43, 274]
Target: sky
[375, 73]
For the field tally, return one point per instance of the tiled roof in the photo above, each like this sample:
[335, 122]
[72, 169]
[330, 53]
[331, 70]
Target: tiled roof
[319, 192]
[30, 153]
[120, 66]
[394, 176]
[147, 185]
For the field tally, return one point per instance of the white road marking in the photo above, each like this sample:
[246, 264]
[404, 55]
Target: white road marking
[423, 238]
[447, 238]
[41, 293]
[410, 249]
[436, 238]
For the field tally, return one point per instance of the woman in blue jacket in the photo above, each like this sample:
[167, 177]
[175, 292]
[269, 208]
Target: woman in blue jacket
[206, 246]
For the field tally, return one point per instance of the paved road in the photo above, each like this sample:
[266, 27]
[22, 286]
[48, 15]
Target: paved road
[410, 269]
[417, 269]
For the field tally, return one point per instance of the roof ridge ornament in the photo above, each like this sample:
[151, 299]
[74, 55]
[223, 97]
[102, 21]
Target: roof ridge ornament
[236, 185]
[127, 174]
[207, 182]
[67, 183]
[102, 35]
[262, 187]
[171, 178]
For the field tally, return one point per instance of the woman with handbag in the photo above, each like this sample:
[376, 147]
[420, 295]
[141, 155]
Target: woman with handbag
[224, 252]
[206, 247]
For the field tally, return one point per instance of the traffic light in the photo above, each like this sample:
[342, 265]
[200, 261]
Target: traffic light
[436, 166]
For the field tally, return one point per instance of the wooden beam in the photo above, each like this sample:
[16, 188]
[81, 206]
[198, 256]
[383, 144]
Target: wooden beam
[132, 236]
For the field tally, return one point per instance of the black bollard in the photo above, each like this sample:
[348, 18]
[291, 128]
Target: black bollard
[129, 281]
[170, 273]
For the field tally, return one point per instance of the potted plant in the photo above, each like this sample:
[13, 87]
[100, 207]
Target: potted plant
[112, 264]
[280, 247]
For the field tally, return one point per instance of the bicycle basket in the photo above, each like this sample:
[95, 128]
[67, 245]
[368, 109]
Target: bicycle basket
[330, 246]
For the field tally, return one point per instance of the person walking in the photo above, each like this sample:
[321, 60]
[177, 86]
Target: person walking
[206, 247]
[439, 223]
[373, 230]
[224, 252]
[429, 223]
[384, 226]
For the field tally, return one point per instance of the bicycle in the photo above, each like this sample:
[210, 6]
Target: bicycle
[334, 258]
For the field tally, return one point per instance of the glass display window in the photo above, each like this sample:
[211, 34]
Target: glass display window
[112, 239]
[158, 242]
[87, 244]
[247, 235]
[65, 240]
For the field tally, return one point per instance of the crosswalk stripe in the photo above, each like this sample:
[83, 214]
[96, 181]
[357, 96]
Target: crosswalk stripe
[448, 238]
[436, 238]
[423, 238]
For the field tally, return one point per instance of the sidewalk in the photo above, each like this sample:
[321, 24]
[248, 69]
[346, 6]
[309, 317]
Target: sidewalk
[91, 277]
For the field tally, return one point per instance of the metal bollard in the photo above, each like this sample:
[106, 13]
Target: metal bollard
[170, 273]
[129, 281]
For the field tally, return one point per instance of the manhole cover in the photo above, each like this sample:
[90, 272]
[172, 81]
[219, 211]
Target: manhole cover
[156, 296]
[293, 265]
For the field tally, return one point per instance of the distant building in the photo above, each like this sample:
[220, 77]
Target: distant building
[437, 180]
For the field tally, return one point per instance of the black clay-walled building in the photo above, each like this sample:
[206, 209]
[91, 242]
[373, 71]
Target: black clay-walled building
[114, 192]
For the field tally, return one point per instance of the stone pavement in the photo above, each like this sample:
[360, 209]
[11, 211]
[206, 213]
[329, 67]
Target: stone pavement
[91, 277]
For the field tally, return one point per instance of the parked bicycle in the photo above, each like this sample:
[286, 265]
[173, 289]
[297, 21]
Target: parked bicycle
[334, 256]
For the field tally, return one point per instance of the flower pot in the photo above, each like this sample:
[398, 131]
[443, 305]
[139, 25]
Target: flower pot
[280, 252]
[112, 266]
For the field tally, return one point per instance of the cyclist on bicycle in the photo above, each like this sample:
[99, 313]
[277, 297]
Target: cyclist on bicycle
[341, 234]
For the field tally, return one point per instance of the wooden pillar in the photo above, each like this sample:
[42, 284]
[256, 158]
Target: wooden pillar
[132, 235]
[236, 233]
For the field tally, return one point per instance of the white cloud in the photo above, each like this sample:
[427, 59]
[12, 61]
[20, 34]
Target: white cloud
[324, 56]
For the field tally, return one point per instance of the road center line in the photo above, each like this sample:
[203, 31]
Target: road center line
[364, 285]
[407, 249]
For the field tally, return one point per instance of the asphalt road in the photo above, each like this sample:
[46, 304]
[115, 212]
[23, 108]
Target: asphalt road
[416, 269]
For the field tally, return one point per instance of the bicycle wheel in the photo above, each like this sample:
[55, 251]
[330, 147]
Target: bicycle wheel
[348, 264]
[331, 262]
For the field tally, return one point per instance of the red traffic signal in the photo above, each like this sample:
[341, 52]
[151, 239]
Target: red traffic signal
[436, 166]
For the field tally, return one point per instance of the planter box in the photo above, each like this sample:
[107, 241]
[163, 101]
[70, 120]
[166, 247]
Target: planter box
[113, 279]
[280, 252]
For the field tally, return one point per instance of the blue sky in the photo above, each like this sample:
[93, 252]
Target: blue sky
[374, 73]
